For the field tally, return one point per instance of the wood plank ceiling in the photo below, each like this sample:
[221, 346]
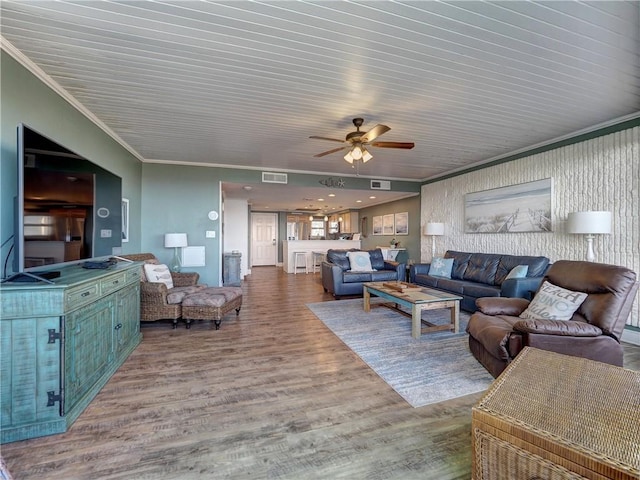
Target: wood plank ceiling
[246, 83]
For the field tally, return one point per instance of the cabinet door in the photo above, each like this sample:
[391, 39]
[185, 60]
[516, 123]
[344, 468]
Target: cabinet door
[29, 370]
[127, 321]
[355, 224]
[346, 226]
[88, 348]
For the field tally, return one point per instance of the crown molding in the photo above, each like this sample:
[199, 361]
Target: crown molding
[27, 63]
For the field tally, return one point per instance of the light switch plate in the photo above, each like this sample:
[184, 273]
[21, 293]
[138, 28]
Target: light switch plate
[105, 233]
[210, 234]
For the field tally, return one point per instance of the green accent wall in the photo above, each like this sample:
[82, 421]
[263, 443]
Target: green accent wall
[411, 242]
[176, 199]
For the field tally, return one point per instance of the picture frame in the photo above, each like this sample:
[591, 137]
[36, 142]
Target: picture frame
[125, 220]
[377, 225]
[401, 223]
[520, 208]
[388, 224]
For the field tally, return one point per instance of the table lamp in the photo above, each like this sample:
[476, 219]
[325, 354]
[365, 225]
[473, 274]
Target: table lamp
[175, 241]
[589, 223]
[434, 229]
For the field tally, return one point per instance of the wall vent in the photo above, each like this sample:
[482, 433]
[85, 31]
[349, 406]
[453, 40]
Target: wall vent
[380, 185]
[270, 177]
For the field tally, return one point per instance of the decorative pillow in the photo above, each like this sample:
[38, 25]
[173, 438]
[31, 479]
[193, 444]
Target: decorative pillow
[441, 267]
[359, 261]
[553, 303]
[518, 272]
[151, 261]
[158, 274]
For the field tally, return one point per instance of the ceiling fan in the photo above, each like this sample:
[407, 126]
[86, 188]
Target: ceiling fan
[356, 142]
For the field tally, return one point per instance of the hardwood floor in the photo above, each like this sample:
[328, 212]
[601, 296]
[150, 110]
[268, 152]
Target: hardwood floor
[273, 394]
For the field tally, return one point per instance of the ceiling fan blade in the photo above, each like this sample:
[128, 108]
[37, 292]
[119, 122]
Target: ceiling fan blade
[407, 145]
[327, 138]
[374, 133]
[328, 152]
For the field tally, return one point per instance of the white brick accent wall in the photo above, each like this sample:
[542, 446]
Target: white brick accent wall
[598, 174]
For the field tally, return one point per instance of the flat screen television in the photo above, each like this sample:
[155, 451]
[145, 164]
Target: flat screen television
[68, 209]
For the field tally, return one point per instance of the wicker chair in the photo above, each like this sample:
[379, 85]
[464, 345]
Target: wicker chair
[154, 301]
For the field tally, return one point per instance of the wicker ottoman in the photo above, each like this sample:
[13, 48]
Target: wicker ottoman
[211, 303]
[551, 416]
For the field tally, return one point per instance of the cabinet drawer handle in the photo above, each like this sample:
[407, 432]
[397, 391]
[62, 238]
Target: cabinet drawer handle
[86, 294]
[115, 282]
[118, 326]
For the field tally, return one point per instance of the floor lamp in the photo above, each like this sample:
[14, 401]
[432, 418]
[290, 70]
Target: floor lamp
[434, 229]
[175, 241]
[589, 224]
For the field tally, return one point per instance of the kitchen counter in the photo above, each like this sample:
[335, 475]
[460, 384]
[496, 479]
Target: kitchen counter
[310, 246]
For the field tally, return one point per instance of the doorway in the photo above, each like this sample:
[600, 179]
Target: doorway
[264, 239]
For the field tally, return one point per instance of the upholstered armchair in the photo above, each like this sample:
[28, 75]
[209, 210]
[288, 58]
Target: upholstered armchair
[157, 302]
[602, 295]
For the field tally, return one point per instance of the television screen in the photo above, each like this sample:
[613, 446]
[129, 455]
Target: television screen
[68, 209]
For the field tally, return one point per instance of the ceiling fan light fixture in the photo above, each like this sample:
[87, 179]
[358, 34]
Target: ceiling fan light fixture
[366, 156]
[348, 157]
[356, 152]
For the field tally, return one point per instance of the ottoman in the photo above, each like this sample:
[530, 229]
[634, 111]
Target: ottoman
[211, 303]
[552, 416]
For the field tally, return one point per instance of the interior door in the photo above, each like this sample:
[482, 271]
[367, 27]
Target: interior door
[264, 239]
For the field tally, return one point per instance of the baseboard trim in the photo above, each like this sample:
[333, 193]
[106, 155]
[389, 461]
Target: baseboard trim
[631, 336]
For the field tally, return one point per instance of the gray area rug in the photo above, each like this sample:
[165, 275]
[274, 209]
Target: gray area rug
[432, 369]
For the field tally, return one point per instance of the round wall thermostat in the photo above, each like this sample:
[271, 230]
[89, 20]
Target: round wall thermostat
[103, 212]
[213, 215]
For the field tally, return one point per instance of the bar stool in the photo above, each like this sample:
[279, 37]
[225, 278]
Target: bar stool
[318, 257]
[300, 257]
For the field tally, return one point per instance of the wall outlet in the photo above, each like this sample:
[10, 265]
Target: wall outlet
[105, 233]
[210, 234]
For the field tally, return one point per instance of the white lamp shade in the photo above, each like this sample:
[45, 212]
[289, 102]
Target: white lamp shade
[348, 157]
[175, 240]
[589, 222]
[434, 228]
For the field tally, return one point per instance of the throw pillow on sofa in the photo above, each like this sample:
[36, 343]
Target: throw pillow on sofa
[158, 274]
[441, 267]
[518, 272]
[553, 303]
[359, 261]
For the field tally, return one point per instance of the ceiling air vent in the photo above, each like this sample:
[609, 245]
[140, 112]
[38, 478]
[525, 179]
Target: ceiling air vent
[380, 185]
[270, 177]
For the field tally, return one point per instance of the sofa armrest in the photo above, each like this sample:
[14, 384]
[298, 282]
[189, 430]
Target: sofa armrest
[502, 306]
[520, 287]
[400, 268]
[186, 279]
[418, 269]
[331, 276]
[567, 328]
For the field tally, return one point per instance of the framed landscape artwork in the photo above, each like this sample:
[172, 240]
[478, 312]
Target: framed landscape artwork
[525, 207]
[387, 224]
[377, 225]
[402, 223]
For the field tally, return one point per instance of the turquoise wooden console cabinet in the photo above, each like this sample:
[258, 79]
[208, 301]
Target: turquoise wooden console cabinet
[61, 343]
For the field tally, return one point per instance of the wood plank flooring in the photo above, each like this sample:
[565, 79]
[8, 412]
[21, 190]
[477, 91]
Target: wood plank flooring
[273, 394]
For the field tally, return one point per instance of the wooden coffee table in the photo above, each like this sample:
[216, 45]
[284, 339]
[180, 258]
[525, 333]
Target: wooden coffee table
[417, 299]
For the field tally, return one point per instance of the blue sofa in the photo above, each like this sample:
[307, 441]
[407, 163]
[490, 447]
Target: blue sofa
[477, 275]
[338, 279]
